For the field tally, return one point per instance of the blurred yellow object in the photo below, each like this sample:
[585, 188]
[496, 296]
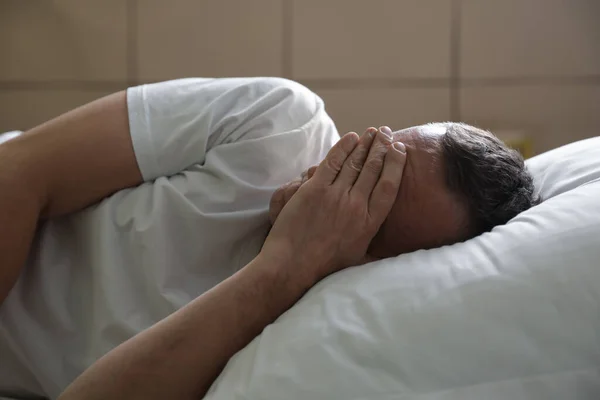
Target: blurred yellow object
[518, 141]
[523, 145]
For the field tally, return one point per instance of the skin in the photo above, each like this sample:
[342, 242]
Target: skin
[425, 214]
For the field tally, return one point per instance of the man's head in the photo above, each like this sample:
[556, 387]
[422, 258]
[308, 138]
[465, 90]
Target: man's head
[459, 181]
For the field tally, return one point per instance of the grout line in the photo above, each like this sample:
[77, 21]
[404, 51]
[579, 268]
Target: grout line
[64, 85]
[374, 83]
[287, 39]
[455, 54]
[334, 83]
[132, 42]
[531, 81]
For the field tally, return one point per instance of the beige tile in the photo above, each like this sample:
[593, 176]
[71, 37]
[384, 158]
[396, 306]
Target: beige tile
[515, 38]
[209, 38]
[358, 109]
[24, 109]
[552, 116]
[371, 38]
[63, 40]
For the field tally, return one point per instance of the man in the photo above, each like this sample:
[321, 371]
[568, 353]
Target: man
[211, 153]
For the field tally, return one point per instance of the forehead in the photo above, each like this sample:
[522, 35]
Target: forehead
[424, 162]
[423, 132]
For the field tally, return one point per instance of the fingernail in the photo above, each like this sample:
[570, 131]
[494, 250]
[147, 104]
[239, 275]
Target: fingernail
[386, 130]
[354, 137]
[400, 147]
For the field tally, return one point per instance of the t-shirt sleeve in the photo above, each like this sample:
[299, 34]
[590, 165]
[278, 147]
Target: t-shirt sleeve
[177, 124]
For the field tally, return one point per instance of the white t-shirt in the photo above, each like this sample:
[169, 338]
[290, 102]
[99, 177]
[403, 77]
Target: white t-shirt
[211, 151]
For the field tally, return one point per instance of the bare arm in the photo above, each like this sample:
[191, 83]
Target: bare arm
[79, 157]
[59, 167]
[326, 226]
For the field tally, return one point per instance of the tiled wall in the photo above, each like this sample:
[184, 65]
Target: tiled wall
[530, 65]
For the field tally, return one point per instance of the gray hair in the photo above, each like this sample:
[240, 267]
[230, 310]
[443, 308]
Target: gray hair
[488, 175]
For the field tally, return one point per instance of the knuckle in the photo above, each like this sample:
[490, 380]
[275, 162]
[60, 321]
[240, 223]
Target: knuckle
[277, 195]
[382, 138]
[334, 162]
[374, 165]
[328, 196]
[355, 165]
[290, 191]
[284, 188]
[322, 192]
[357, 205]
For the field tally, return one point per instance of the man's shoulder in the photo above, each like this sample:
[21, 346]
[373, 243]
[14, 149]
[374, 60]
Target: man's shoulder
[185, 119]
[273, 106]
[280, 100]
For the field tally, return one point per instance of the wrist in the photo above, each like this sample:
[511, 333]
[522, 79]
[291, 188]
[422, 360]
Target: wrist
[283, 271]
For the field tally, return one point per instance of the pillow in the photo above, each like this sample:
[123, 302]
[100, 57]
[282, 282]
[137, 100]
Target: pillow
[6, 136]
[511, 314]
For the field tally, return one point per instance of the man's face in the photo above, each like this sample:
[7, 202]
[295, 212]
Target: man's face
[425, 214]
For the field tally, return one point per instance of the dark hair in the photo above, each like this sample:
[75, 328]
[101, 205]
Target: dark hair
[491, 177]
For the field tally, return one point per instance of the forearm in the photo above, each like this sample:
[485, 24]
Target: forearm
[182, 355]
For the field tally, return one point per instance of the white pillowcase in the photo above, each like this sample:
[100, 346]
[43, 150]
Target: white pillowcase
[512, 314]
[6, 136]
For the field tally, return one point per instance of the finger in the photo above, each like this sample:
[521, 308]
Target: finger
[281, 197]
[354, 163]
[385, 191]
[305, 178]
[276, 204]
[306, 175]
[330, 167]
[291, 190]
[374, 164]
